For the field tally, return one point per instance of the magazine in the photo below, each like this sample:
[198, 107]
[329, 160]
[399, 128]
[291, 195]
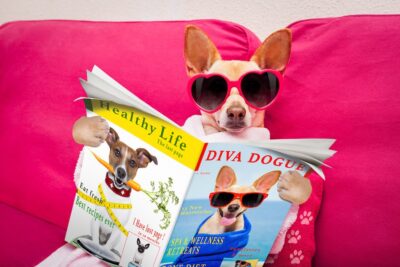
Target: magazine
[154, 195]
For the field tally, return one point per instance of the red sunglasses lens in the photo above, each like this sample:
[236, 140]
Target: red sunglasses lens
[252, 200]
[209, 93]
[260, 89]
[221, 199]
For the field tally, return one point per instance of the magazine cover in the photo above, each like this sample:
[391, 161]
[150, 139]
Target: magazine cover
[131, 187]
[153, 195]
[232, 212]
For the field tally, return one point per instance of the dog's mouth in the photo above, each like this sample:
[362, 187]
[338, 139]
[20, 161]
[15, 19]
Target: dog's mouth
[228, 218]
[119, 181]
[235, 127]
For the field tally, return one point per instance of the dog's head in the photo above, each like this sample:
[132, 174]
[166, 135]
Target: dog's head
[141, 247]
[125, 160]
[241, 263]
[226, 182]
[202, 56]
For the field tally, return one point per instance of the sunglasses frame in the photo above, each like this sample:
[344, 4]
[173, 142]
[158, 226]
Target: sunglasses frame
[232, 84]
[236, 196]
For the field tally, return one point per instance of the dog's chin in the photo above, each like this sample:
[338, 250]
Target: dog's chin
[234, 128]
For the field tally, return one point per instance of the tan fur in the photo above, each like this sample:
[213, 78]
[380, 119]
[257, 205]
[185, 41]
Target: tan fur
[202, 56]
[123, 155]
[226, 181]
[232, 69]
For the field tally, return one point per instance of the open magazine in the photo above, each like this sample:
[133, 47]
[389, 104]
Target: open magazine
[154, 195]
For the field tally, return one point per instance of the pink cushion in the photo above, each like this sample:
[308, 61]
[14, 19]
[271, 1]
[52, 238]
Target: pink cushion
[343, 82]
[40, 64]
[26, 239]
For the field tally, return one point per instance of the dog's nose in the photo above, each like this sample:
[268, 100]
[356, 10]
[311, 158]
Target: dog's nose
[233, 207]
[236, 113]
[121, 173]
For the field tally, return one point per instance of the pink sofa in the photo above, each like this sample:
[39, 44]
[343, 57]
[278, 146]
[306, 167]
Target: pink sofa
[342, 82]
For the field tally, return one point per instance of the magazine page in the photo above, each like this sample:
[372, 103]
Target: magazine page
[313, 151]
[232, 212]
[101, 86]
[131, 187]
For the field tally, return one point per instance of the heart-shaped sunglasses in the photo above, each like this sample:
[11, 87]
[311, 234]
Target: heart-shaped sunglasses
[258, 88]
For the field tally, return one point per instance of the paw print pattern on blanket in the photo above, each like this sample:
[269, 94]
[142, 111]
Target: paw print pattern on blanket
[294, 237]
[306, 217]
[296, 257]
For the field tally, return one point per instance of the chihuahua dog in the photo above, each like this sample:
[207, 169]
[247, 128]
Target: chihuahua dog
[240, 263]
[232, 200]
[238, 107]
[139, 255]
[237, 103]
[125, 161]
[234, 114]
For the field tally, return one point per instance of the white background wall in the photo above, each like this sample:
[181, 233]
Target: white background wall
[261, 16]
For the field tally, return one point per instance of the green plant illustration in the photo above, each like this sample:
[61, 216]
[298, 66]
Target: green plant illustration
[161, 195]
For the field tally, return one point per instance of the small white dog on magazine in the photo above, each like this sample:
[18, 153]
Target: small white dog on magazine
[139, 254]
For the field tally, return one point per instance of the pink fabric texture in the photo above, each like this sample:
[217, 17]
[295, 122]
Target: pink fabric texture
[26, 239]
[343, 82]
[70, 256]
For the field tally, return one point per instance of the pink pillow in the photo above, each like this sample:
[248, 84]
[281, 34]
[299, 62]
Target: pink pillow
[343, 82]
[40, 64]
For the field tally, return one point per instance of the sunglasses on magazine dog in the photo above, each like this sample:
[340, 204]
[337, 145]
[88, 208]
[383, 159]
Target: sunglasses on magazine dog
[248, 200]
[258, 88]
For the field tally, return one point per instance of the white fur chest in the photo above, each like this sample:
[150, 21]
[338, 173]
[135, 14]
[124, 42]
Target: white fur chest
[138, 257]
[122, 214]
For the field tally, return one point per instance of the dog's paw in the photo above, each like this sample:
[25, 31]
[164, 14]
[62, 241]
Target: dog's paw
[271, 259]
[306, 217]
[90, 131]
[296, 257]
[294, 237]
[293, 187]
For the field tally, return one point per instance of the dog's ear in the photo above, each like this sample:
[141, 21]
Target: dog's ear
[200, 52]
[138, 241]
[226, 178]
[112, 137]
[274, 52]
[145, 157]
[265, 182]
[147, 246]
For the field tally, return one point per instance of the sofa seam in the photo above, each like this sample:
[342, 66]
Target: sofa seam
[338, 17]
